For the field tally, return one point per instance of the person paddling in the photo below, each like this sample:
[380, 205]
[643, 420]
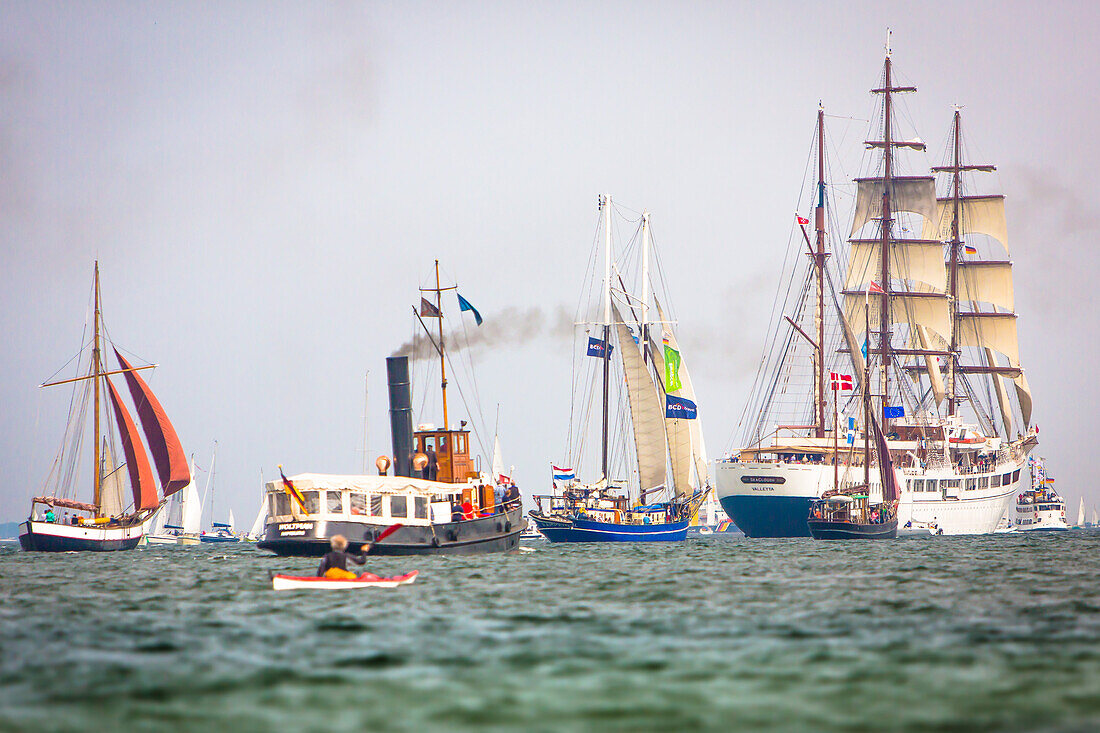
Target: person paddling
[335, 563]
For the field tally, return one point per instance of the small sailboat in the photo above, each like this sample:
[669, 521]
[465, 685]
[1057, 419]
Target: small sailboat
[257, 531]
[658, 501]
[112, 520]
[1081, 513]
[220, 532]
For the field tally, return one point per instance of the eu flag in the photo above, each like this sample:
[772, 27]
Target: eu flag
[890, 412]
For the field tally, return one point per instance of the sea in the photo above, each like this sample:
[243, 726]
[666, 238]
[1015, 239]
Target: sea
[998, 632]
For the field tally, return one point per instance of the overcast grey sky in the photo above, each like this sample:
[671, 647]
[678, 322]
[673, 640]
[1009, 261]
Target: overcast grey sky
[267, 184]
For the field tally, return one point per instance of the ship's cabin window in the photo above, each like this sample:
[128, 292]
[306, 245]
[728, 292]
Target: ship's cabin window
[1016, 475]
[282, 504]
[1007, 479]
[970, 484]
[399, 506]
[420, 507]
[334, 503]
[918, 484]
[983, 482]
[952, 483]
[376, 505]
[930, 485]
[460, 442]
[313, 502]
[996, 480]
[442, 443]
[358, 504]
[427, 443]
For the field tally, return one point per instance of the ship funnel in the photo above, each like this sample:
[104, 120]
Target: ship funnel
[397, 376]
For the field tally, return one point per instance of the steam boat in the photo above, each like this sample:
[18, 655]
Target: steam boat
[939, 344]
[658, 429]
[446, 506]
[111, 521]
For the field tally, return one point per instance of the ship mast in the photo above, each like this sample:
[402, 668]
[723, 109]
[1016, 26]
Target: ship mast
[819, 266]
[953, 270]
[606, 204]
[95, 390]
[887, 220]
[442, 351]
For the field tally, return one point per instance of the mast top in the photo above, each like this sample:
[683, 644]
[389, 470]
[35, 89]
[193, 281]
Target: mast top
[888, 34]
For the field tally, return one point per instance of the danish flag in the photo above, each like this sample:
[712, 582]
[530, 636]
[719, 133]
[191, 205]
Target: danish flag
[840, 381]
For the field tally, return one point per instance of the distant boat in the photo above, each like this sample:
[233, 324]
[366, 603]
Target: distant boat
[1040, 508]
[219, 531]
[256, 533]
[60, 523]
[1081, 513]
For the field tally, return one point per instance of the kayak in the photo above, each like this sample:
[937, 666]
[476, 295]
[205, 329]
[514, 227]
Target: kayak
[366, 580]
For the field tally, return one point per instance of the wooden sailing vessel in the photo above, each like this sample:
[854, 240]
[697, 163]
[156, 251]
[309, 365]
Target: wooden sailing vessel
[434, 475]
[59, 522]
[665, 438]
[926, 303]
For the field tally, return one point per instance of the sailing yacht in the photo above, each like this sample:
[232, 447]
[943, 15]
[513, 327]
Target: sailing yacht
[111, 521]
[659, 428]
[940, 336]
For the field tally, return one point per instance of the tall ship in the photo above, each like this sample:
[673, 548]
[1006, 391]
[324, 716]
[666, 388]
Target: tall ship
[436, 492]
[115, 518]
[1041, 508]
[920, 298]
[650, 474]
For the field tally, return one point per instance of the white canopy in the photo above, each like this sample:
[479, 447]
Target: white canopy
[374, 484]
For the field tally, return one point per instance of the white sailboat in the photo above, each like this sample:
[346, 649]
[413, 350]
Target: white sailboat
[191, 512]
[257, 531]
[941, 338]
[1081, 513]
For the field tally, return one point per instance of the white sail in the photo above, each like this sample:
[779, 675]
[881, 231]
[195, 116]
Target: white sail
[261, 516]
[931, 363]
[916, 310]
[1002, 394]
[687, 390]
[916, 194]
[919, 260]
[159, 519]
[112, 501]
[996, 331]
[498, 459]
[978, 214]
[232, 521]
[1081, 513]
[646, 410]
[192, 506]
[1095, 517]
[987, 282]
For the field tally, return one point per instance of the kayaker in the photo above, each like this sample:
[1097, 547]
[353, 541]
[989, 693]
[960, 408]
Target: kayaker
[335, 564]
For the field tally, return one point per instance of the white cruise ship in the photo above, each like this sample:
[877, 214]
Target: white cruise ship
[921, 299]
[1040, 508]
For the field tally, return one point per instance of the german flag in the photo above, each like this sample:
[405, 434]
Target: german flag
[288, 486]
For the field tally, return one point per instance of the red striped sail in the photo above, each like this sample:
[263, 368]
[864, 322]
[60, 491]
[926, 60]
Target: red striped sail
[163, 442]
[141, 473]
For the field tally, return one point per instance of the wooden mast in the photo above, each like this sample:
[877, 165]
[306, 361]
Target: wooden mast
[442, 351]
[606, 203]
[884, 308]
[95, 390]
[953, 270]
[819, 265]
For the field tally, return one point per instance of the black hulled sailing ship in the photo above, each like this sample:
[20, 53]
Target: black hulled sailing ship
[114, 519]
[445, 504]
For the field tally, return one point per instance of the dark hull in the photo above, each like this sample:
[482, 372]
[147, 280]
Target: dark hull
[44, 537]
[821, 529]
[498, 533]
[587, 530]
[769, 516]
[215, 538]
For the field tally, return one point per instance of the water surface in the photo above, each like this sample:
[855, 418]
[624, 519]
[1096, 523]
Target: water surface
[999, 632]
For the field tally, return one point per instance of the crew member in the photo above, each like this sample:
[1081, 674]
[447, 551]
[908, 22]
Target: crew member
[511, 498]
[49, 516]
[335, 564]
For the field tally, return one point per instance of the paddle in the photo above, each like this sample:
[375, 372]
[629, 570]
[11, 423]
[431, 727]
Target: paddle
[385, 533]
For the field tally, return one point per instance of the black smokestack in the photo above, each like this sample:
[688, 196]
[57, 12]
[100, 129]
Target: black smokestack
[397, 376]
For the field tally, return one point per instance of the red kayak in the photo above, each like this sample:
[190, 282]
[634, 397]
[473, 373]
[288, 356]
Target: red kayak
[366, 580]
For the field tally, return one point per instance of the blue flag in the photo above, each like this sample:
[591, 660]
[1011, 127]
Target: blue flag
[863, 349]
[596, 347]
[680, 407]
[890, 413]
[464, 305]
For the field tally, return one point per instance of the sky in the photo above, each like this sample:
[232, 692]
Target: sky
[266, 186]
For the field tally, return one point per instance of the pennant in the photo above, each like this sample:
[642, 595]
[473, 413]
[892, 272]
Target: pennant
[502, 479]
[890, 412]
[464, 305]
[672, 367]
[596, 347]
[874, 287]
[680, 407]
[428, 310]
[802, 220]
[840, 381]
[288, 486]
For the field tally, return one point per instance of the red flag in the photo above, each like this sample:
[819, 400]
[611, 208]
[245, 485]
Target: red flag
[874, 288]
[840, 381]
[802, 220]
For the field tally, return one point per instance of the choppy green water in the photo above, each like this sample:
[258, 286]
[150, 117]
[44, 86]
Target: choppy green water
[999, 633]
